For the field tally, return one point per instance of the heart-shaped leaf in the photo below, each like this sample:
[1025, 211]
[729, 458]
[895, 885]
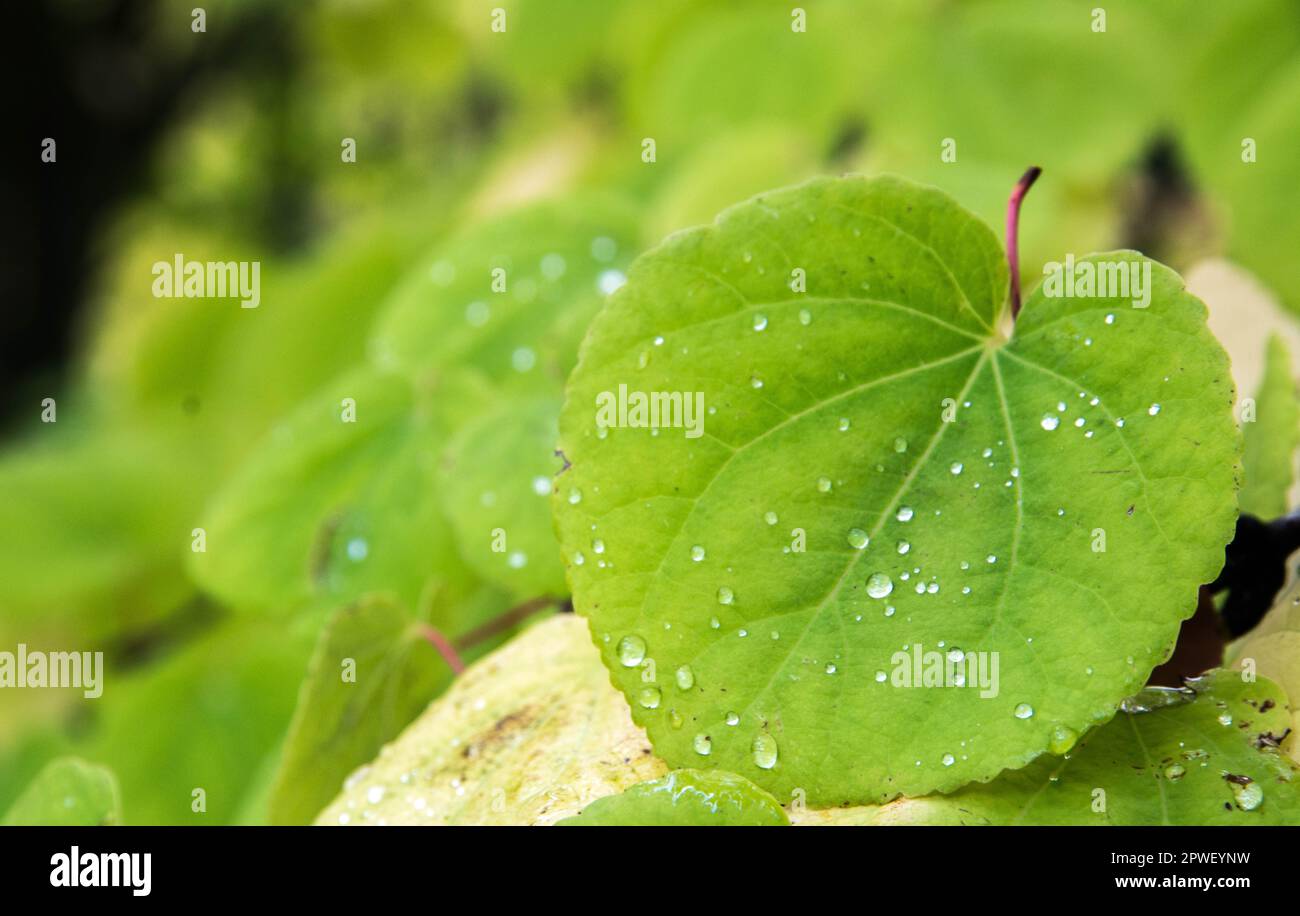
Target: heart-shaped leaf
[1203, 756]
[881, 478]
[685, 798]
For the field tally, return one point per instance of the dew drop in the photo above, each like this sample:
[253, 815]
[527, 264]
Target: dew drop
[1153, 410]
[684, 677]
[703, 745]
[991, 558]
[881, 677]
[949, 760]
[697, 553]
[575, 496]
[824, 484]
[879, 585]
[755, 381]
[764, 751]
[830, 668]
[597, 545]
[955, 467]
[631, 651]
[726, 595]
[770, 518]
[1024, 711]
[904, 547]
[858, 538]
[1050, 422]
[1249, 796]
[649, 697]
[733, 718]
[1175, 772]
[609, 281]
[844, 424]
[905, 514]
[900, 445]
[805, 317]
[1063, 738]
[760, 322]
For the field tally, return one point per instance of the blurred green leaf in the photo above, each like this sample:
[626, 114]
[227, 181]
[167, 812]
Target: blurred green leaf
[102, 521]
[685, 798]
[329, 509]
[204, 718]
[372, 672]
[496, 480]
[69, 792]
[1271, 439]
[556, 262]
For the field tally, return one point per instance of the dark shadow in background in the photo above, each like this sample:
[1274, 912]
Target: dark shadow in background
[95, 85]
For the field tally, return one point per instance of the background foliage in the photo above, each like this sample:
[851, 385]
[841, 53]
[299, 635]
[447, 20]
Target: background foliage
[478, 150]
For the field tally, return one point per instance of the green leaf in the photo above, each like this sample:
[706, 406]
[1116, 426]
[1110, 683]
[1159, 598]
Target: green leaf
[331, 510]
[980, 80]
[528, 735]
[734, 166]
[1271, 439]
[69, 792]
[1168, 765]
[735, 67]
[204, 718]
[104, 520]
[1261, 231]
[830, 427]
[557, 261]
[371, 674]
[496, 477]
[373, 671]
[1272, 650]
[685, 798]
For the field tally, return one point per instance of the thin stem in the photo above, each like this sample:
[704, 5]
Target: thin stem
[517, 614]
[444, 647]
[1013, 241]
